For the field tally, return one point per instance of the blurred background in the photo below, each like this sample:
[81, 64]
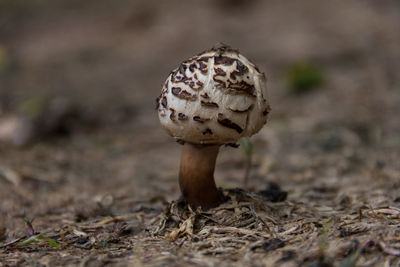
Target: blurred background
[78, 82]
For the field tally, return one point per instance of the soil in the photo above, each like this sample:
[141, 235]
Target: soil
[96, 176]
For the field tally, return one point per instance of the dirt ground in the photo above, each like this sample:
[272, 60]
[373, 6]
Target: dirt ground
[95, 172]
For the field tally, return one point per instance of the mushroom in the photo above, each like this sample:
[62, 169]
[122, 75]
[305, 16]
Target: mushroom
[210, 100]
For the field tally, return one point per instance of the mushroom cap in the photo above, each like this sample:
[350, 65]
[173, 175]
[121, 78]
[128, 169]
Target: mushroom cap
[214, 98]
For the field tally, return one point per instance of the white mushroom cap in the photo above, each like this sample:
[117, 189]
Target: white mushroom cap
[215, 98]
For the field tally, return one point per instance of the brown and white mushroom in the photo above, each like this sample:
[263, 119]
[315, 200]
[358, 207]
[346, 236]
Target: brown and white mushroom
[210, 100]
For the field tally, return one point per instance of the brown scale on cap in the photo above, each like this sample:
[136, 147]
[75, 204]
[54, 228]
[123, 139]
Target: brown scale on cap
[192, 67]
[205, 59]
[203, 67]
[201, 120]
[241, 69]
[235, 88]
[182, 68]
[221, 60]
[207, 131]
[164, 102]
[266, 111]
[172, 115]
[205, 95]
[234, 74]
[243, 87]
[228, 123]
[221, 48]
[178, 92]
[242, 111]
[177, 76]
[209, 104]
[182, 117]
[196, 86]
[219, 72]
[165, 87]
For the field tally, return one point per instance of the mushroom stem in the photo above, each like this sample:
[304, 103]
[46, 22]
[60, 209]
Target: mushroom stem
[196, 175]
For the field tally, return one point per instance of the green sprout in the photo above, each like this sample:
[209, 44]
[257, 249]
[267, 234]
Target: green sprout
[33, 107]
[304, 77]
[323, 239]
[323, 244]
[247, 147]
[37, 238]
[3, 58]
[105, 242]
[33, 237]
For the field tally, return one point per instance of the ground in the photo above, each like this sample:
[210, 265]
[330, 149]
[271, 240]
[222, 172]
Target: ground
[94, 172]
